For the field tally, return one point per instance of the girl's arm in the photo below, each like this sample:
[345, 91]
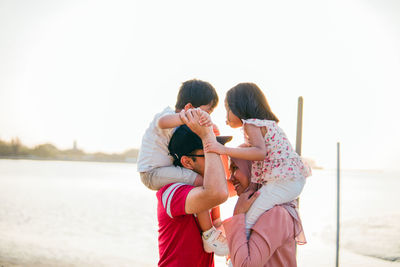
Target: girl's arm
[256, 151]
[170, 120]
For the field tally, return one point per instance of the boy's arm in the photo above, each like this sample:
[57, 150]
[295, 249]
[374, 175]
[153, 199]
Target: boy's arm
[170, 121]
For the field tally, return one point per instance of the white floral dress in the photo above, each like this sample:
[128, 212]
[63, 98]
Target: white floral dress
[281, 161]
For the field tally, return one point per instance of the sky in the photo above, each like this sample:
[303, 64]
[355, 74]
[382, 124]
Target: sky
[98, 71]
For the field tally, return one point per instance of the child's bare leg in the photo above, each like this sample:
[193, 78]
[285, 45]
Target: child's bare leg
[204, 220]
[216, 216]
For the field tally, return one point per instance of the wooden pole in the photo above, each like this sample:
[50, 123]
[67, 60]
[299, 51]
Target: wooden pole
[299, 132]
[338, 205]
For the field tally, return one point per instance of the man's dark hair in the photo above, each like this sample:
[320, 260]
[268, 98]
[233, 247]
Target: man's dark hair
[197, 93]
[184, 142]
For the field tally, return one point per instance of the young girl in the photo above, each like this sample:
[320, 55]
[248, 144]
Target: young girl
[276, 168]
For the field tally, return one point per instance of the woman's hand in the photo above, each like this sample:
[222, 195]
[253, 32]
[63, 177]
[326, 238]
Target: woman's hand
[245, 201]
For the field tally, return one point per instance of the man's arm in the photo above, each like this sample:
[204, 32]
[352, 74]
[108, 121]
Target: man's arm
[214, 190]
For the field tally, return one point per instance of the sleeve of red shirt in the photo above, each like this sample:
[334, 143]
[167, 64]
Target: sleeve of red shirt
[174, 199]
[271, 231]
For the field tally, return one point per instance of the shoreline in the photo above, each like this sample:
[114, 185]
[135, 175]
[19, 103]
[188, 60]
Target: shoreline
[64, 159]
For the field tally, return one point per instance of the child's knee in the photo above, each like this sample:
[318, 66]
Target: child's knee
[146, 180]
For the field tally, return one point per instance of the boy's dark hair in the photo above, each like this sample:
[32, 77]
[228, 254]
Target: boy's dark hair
[197, 93]
[247, 101]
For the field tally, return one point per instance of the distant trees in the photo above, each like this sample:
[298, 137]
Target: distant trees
[45, 151]
[5, 148]
[15, 149]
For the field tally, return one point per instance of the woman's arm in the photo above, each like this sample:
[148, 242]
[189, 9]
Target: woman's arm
[254, 252]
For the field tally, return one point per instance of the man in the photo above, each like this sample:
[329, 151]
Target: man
[180, 242]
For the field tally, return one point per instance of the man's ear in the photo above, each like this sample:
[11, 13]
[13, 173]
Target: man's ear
[187, 162]
[188, 106]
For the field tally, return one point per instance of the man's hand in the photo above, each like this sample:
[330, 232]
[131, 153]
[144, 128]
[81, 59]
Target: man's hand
[191, 119]
[245, 201]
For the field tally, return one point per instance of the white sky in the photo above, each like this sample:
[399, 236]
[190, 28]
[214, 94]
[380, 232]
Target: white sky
[98, 71]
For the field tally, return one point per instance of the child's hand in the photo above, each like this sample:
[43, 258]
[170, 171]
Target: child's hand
[205, 119]
[215, 147]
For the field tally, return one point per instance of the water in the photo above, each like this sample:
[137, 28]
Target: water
[370, 217]
[60, 213]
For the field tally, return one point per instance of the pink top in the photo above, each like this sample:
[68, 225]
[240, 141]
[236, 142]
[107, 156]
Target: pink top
[281, 161]
[272, 240]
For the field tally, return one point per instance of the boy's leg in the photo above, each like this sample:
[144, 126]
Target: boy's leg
[204, 220]
[162, 176]
[216, 216]
[213, 239]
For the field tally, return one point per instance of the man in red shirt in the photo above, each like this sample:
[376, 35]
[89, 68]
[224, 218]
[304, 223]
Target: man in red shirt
[179, 240]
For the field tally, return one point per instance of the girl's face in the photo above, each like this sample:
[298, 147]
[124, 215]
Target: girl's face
[238, 179]
[231, 119]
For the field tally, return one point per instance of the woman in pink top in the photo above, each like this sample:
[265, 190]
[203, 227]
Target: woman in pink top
[273, 237]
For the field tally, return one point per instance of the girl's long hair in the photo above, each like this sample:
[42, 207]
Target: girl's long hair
[247, 101]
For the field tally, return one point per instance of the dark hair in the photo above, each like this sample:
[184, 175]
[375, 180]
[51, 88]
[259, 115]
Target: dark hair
[197, 93]
[184, 142]
[247, 101]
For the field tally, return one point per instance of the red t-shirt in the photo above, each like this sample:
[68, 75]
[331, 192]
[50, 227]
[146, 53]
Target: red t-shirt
[179, 235]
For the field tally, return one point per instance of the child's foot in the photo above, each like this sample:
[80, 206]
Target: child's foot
[215, 241]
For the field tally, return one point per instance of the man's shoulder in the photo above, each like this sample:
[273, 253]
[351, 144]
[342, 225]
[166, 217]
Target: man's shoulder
[167, 189]
[173, 193]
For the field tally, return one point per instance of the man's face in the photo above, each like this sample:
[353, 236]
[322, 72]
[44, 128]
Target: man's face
[195, 161]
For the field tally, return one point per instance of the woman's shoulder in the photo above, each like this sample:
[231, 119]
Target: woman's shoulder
[274, 216]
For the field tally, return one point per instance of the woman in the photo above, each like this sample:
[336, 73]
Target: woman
[273, 237]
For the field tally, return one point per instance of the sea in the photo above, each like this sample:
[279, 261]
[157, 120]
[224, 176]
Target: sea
[67, 213]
